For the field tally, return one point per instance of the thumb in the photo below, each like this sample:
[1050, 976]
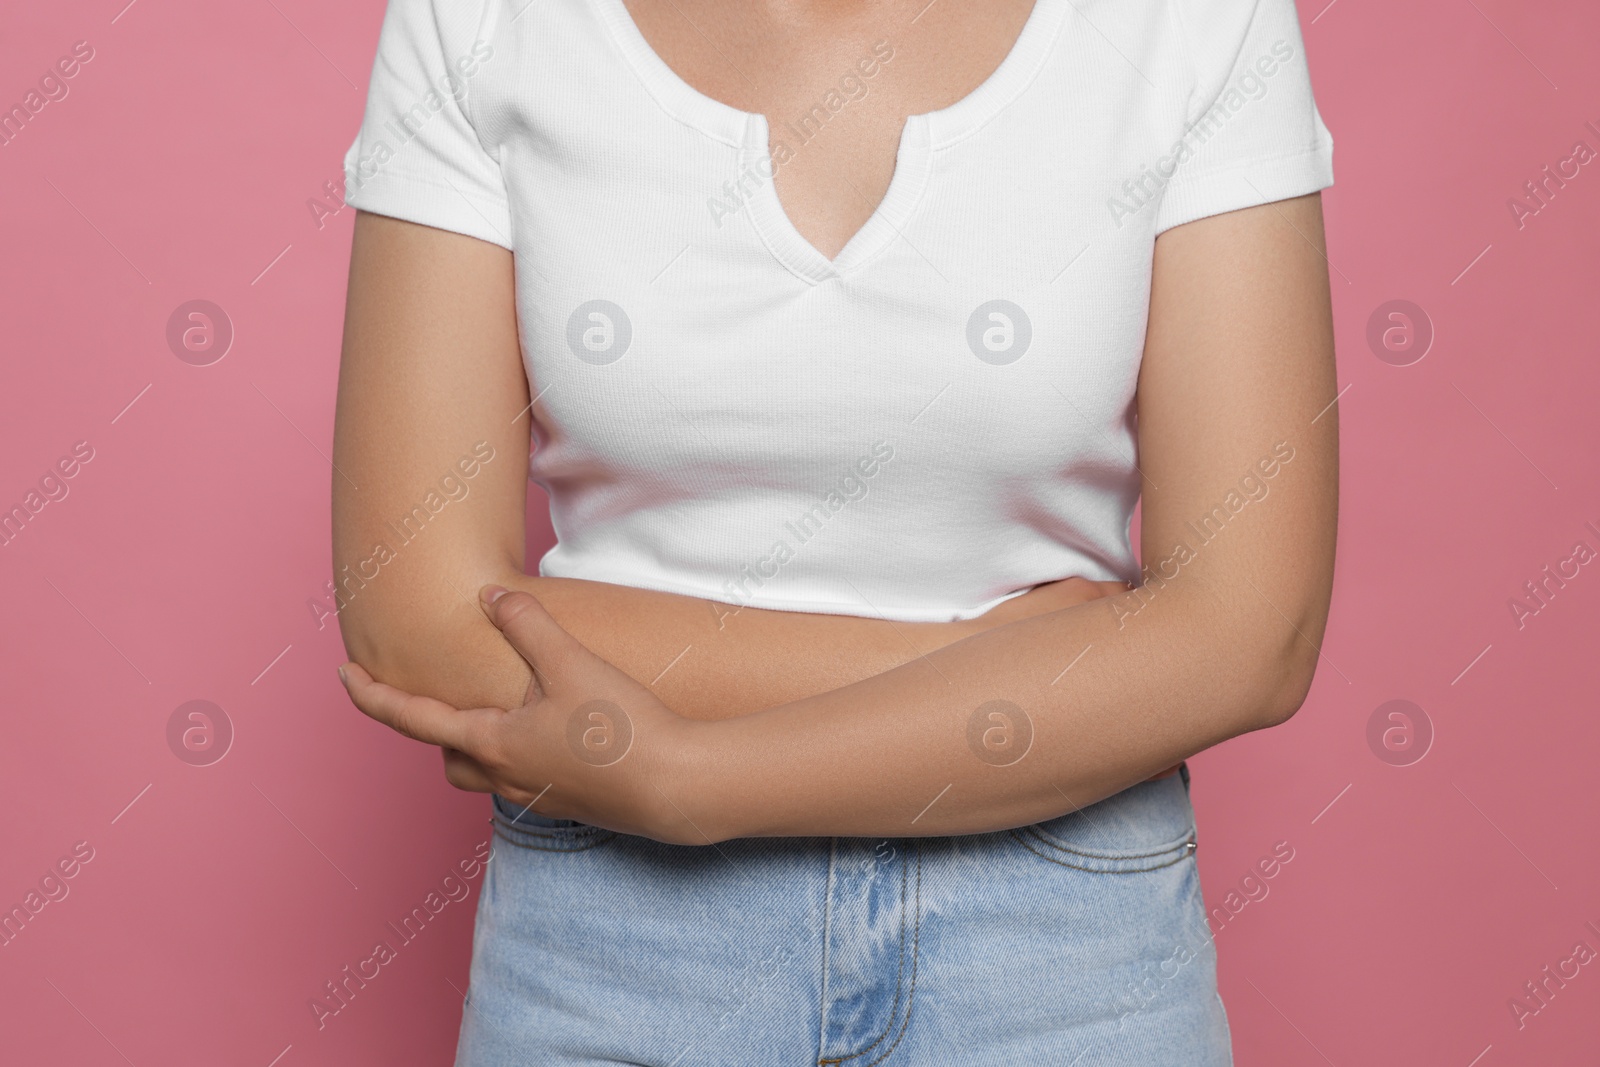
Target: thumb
[534, 633]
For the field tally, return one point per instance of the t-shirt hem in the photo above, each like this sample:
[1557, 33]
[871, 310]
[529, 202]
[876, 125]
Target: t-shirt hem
[1248, 183]
[437, 204]
[814, 607]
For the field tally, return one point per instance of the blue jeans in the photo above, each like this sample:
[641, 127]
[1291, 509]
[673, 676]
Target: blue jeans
[1078, 941]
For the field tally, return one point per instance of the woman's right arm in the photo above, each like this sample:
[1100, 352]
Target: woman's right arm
[430, 368]
[686, 649]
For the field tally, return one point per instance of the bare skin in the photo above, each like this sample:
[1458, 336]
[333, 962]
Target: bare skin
[1239, 355]
[652, 636]
[778, 59]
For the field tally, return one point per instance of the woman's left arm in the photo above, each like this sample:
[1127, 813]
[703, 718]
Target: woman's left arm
[1238, 446]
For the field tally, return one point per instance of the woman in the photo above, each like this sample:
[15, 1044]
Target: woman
[839, 726]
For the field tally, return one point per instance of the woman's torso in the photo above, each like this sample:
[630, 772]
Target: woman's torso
[824, 319]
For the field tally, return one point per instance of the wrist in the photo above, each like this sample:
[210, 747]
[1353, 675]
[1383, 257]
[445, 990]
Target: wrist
[688, 783]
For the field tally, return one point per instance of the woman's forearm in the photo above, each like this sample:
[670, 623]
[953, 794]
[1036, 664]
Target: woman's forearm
[943, 745]
[708, 663]
[1025, 721]
[712, 661]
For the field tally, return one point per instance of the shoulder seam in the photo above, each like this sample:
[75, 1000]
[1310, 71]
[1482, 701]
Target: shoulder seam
[488, 25]
[1175, 9]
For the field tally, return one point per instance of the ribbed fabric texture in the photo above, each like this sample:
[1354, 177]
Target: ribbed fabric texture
[939, 418]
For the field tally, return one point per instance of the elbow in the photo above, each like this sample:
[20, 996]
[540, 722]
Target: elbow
[382, 651]
[1287, 682]
[1261, 663]
[1279, 651]
[420, 659]
[363, 610]
[446, 649]
[399, 635]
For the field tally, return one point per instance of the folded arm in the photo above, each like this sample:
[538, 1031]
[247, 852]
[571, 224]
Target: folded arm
[430, 371]
[1031, 718]
[1238, 446]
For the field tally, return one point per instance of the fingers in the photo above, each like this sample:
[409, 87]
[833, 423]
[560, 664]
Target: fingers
[549, 649]
[418, 717]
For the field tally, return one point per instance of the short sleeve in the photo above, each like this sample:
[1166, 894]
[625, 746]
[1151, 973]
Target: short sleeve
[418, 155]
[1252, 131]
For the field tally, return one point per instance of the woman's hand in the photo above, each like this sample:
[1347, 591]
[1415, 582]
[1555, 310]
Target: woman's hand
[589, 743]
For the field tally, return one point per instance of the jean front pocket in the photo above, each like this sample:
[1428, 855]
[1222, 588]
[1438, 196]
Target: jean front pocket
[526, 828]
[1145, 827]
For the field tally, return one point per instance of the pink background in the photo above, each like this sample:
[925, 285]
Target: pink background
[1419, 900]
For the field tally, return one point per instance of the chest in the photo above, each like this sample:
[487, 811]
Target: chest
[668, 281]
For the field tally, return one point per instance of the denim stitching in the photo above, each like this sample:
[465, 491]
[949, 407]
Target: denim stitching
[1183, 850]
[1054, 842]
[916, 939]
[581, 840]
[827, 940]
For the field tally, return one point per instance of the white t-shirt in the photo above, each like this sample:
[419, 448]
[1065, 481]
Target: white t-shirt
[940, 418]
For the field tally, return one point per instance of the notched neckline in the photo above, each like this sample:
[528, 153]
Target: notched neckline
[749, 132]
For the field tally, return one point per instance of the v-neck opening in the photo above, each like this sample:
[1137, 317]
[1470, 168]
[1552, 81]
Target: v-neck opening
[749, 132]
[785, 241]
